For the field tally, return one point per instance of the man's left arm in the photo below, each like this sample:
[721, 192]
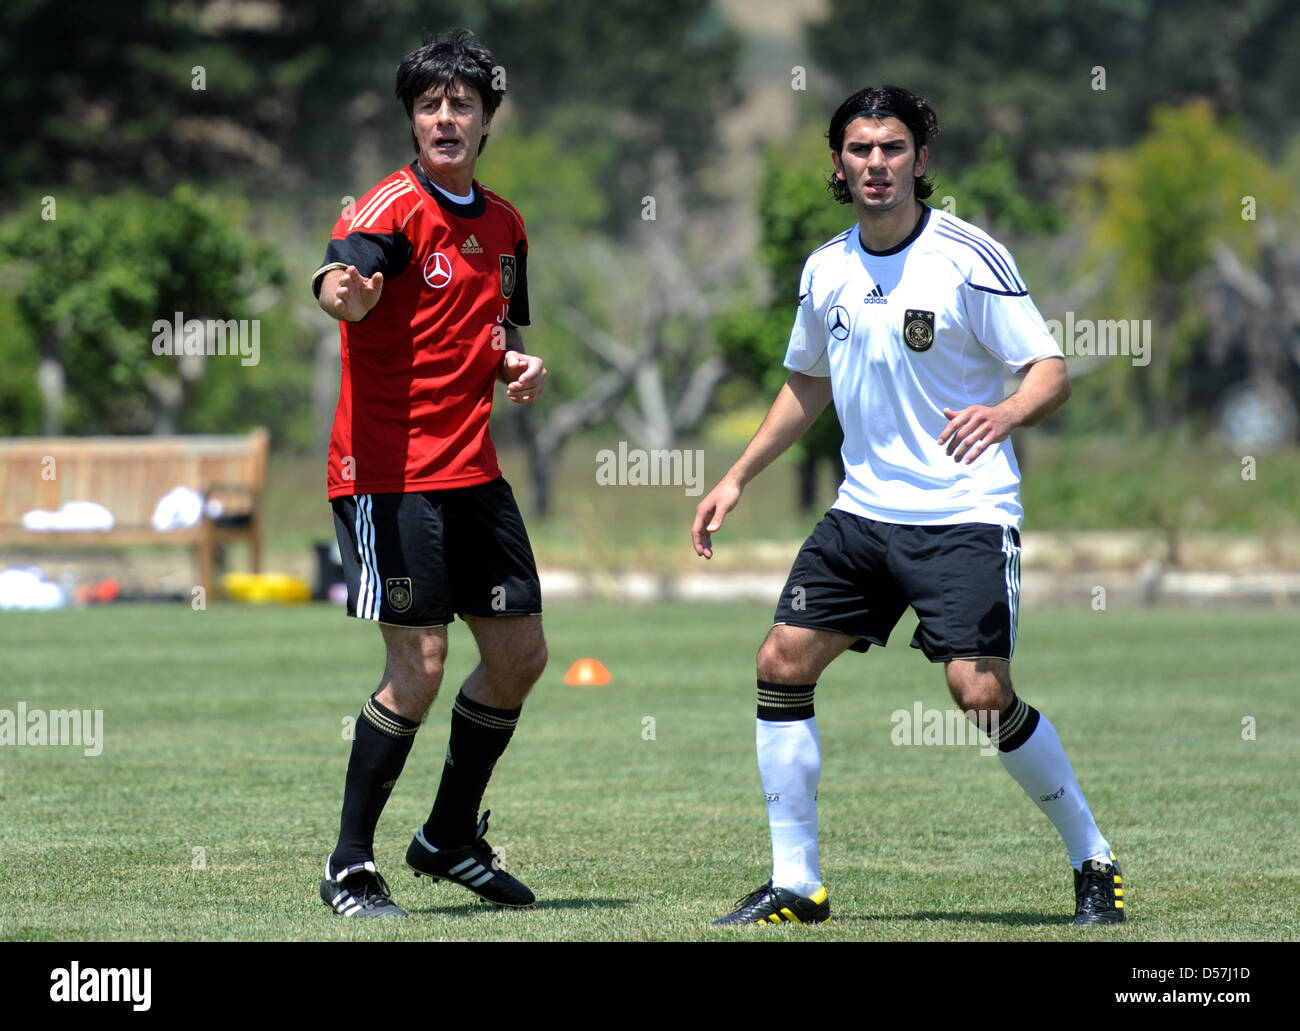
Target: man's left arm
[522, 373]
[973, 430]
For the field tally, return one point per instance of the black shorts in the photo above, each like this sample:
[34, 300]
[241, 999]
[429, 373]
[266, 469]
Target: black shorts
[856, 576]
[418, 559]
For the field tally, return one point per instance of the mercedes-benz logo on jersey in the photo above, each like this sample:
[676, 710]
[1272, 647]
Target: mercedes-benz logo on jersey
[918, 329]
[837, 322]
[507, 274]
[437, 270]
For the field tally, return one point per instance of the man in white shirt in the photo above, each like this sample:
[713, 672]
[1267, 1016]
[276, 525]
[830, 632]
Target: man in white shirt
[906, 321]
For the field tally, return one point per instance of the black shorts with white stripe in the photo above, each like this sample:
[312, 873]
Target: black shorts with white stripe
[857, 576]
[418, 559]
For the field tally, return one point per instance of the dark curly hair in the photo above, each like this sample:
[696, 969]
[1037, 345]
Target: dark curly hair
[883, 101]
[458, 58]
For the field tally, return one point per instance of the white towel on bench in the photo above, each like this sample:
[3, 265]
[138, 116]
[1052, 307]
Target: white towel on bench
[72, 515]
[24, 589]
[179, 509]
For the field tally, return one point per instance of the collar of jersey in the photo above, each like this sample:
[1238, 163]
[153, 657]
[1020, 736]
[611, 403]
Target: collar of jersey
[473, 209]
[902, 245]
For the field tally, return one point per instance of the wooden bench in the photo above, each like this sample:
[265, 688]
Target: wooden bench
[128, 476]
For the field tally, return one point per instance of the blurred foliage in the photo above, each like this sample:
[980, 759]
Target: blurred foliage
[796, 211]
[796, 215]
[990, 194]
[1175, 481]
[89, 285]
[20, 402]
[1154, 210]
[1025, 69]
[555, 184]
[641, 76]
[270, 94]
[1164, 200]
[563, 210]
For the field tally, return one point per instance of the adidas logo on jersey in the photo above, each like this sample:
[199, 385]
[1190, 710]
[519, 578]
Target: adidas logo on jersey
[877, 296]
[471, 246]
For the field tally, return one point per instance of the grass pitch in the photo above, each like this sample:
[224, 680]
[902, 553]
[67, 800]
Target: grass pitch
[635, 810]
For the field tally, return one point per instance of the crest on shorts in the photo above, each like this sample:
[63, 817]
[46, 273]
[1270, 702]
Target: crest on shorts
[507, 274]
[918, 329]
[399, 593]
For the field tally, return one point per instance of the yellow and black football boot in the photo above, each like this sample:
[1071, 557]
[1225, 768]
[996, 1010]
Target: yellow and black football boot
[1099, 893]
[769, 905]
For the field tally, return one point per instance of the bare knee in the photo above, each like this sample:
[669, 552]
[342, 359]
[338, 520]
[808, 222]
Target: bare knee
[776, 659]
[530, 662]
[980, 685]
[420, 659]
[797, 655]
[413, 669]
[514, 656]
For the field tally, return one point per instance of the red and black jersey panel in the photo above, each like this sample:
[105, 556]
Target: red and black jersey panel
[419, 371]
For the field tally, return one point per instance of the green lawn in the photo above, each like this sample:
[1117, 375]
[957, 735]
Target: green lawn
[223, 733]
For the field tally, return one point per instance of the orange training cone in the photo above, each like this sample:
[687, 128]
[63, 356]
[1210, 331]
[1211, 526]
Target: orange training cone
[588, 671]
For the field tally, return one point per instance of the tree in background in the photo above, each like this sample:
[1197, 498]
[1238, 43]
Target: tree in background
[90, 282]
[796, 215]
[276, 95]
[625, 326]
[256, 92]
[1057, 80]
[1156, 210]
[989, 193]
[631, 77]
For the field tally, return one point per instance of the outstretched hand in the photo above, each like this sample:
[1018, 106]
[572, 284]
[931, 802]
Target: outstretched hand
[354, 295]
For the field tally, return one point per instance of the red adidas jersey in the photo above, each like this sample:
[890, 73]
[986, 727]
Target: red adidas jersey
[419, 371]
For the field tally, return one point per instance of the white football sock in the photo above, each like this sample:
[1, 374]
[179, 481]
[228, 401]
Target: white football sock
[1041, 768]
[790, 763]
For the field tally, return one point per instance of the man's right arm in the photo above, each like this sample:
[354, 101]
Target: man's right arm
[363, 254]
[348, 295]
[796, 407]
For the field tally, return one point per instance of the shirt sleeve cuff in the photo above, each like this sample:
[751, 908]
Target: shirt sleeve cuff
[319, 275]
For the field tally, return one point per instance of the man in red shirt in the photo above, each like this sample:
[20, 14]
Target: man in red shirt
[427, 275]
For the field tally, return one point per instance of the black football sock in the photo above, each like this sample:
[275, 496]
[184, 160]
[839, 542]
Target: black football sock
[479, 734]
[379, 750]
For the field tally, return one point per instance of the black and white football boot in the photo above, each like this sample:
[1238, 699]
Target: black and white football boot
[474, 866]
[358, 891]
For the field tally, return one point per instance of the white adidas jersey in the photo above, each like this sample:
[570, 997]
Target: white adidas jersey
[928, 325]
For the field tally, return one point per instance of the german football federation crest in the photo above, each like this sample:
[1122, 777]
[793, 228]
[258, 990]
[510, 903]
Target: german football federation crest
[507, 274]
[918, 329]
[398, 590]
